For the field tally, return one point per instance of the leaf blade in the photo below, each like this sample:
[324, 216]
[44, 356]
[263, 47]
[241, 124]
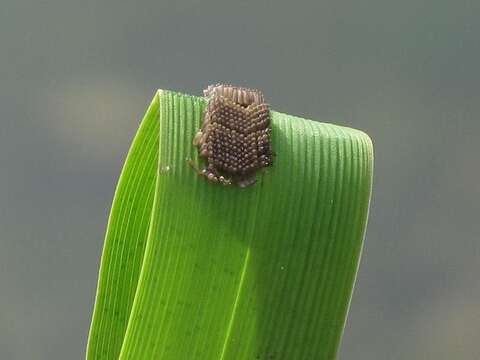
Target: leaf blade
[255, 273]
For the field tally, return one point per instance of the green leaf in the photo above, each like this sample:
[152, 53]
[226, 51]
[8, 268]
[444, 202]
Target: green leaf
[195, 270]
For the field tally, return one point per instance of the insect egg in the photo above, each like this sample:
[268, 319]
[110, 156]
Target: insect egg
[234, 134]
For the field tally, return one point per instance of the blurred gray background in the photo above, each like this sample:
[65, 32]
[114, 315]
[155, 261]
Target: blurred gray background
[76, 78]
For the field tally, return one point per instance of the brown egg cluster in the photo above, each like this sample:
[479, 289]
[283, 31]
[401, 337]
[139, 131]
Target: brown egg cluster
[235, 136]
